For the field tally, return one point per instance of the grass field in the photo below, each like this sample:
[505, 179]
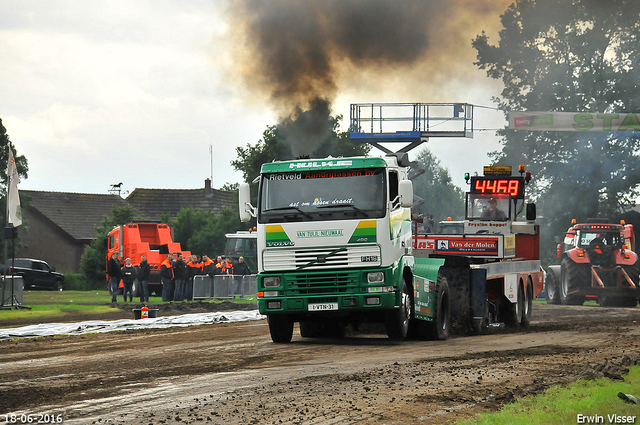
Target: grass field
[597, 401]
[58, 304]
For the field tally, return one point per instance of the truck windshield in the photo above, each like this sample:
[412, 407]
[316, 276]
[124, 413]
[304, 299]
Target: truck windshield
[487, 207]
[322, 195]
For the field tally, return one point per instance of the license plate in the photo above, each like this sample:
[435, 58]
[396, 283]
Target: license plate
[323, 307]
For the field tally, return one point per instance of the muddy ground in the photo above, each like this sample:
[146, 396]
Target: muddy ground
[233, 374]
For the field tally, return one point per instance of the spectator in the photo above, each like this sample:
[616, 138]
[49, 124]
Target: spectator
[223, 266]
[193, 269]
[241, 268]
[143, 277]
[115, 274]
[208, 266]
[128, 276]
[166, 277]
[179, 276]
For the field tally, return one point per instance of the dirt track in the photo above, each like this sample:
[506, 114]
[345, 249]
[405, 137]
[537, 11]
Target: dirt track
[233, 373]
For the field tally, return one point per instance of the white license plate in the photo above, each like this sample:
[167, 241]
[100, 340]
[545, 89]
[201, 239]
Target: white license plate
[323, 307]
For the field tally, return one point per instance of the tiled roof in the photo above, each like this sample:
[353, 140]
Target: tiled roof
[152, 203]
[79, 213]
[76, 213]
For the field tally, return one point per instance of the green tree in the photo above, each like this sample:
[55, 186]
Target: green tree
[203, 232]
[569, 55]
[21, 161]
[94, 258]
[441, 197]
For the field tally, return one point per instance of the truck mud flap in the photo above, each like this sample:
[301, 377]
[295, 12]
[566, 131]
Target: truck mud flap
[467, 288]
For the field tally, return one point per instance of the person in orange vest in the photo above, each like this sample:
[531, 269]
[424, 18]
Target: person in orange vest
[179, 276]
[208, 266]
[228, 265]
[193, 269]
[166, 276]
[221, 266]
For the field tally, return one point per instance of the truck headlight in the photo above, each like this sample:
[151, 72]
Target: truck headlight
[271, 281]
[375, 277]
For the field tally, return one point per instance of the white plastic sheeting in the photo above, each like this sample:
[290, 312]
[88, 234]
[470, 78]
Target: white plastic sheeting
[99, 326]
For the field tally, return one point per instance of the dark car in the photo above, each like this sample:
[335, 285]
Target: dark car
[36, 274]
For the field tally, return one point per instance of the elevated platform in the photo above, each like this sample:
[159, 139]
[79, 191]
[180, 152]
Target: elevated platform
[412, 123]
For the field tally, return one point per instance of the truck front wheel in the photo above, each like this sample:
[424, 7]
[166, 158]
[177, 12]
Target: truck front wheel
[397, 320]
[280, 328]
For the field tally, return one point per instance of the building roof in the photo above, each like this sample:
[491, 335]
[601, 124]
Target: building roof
[77, 214]
[152, 203]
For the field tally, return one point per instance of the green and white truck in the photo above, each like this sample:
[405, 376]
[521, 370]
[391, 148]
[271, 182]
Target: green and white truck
[335, 247]
[336, 244]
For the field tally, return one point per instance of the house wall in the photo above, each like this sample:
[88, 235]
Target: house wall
[43, 240]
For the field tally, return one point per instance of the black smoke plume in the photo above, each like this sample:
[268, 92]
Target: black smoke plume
[294, 52]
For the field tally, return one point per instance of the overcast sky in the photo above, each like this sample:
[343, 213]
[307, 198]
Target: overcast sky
[95, 93]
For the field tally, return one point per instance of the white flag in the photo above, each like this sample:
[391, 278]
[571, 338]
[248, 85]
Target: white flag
[14, 214]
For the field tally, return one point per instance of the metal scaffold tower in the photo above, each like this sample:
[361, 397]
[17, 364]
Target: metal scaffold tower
[409, 123]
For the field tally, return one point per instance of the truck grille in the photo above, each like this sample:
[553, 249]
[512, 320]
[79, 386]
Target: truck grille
[319, 259]
[321, 283]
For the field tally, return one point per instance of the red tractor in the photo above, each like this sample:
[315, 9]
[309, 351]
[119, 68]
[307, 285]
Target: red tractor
[598, 262]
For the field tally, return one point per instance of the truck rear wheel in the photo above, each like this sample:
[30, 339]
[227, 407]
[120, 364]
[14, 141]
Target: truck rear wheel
[280, 328]
[397, 320]
[528, 306]
[513, 313]
[573, 276]
[439, 327]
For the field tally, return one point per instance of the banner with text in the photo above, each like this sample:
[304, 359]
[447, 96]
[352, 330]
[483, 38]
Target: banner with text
[573, 121]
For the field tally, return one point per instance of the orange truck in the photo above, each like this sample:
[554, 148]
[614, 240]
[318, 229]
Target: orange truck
[152, 239]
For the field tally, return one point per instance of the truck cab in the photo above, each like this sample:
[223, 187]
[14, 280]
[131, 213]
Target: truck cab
[334, 242]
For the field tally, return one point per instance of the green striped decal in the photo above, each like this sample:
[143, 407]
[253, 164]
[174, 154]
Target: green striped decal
[276, 236]
[365, 232]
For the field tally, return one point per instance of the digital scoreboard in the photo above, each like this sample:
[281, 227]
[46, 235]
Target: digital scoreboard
[498, 185]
